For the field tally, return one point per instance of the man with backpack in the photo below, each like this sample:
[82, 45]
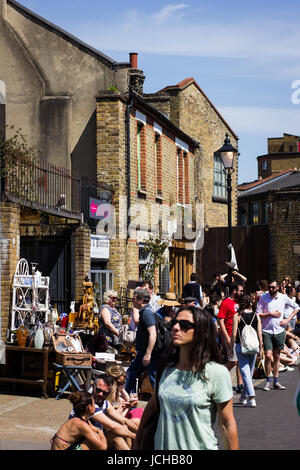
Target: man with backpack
[145, 341]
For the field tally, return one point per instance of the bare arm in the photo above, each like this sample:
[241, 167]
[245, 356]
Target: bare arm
[111, 424]
[151, 344]
[287, 320]
[106, 317]
[224, 331]
[136, 315]
[234, 330]
[149, 411]
[228, 425]
[95, 437]
[116, 416]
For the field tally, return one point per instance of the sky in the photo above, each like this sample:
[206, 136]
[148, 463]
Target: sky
[244, 55]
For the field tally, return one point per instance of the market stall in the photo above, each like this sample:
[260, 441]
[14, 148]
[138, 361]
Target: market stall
[55, 352]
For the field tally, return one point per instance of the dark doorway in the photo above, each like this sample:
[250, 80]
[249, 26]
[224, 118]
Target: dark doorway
[53, 256]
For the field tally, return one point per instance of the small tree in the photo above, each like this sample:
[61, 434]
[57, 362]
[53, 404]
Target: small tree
[17, 160]
[155, 247]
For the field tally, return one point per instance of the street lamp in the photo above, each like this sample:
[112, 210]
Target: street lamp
[227, 153]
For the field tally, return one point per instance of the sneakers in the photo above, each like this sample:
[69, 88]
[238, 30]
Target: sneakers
[251, 403]
[267, 386]
[278, 386]
[243, 400]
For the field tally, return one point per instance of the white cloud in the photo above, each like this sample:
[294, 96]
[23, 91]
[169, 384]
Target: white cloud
[166, 12]
[262, 121]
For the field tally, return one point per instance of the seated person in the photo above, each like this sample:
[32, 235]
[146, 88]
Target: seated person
[119, 430]
[119, 398]
[79, 433]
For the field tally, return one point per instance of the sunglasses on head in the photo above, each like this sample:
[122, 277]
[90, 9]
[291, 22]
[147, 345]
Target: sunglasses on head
[184, 325]
[104, 392]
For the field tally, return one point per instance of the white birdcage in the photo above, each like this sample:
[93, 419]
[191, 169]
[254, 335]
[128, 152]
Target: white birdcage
[30, 299]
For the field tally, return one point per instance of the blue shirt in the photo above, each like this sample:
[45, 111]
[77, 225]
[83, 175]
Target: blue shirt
[147, 319]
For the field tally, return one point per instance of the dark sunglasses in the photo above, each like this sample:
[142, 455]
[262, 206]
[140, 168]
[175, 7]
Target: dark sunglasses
[120, 383]
[104, 392]
[113, 298]
[184, 325]
[271, 287]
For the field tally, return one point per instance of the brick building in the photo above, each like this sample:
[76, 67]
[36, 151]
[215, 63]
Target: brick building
[283, 154]
[105, 141]
[273, 200]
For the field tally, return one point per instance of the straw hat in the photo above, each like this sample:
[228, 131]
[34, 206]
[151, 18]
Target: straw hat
[170, 300]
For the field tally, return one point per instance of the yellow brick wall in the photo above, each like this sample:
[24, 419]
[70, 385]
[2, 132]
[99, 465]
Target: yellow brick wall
[199, 120]
[10, 254]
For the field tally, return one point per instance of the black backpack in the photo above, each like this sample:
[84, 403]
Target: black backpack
[164, 338]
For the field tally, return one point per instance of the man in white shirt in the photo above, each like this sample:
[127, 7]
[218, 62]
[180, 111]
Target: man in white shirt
[291, 308]
[270, 308]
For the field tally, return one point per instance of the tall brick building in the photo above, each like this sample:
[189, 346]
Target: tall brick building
[283, 154]
[100, 134]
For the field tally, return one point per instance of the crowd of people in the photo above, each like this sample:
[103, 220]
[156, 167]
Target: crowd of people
[191, 381]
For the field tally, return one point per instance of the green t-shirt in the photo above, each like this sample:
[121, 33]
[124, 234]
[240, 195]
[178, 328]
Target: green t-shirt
[188, 407]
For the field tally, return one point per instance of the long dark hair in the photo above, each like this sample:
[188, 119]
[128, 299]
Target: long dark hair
[204, 346]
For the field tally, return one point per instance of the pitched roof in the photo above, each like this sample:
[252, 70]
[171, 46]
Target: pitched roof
[286, 180]
[253, 184]
[188, 81]
[64, 34]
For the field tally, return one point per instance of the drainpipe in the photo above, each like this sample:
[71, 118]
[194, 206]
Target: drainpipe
[127, 121]
[2, 180]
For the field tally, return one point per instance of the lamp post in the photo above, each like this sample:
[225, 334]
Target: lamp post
[227, 153]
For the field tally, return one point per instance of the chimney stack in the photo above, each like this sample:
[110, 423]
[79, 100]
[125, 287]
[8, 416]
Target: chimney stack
[133, 60]
[136, 76]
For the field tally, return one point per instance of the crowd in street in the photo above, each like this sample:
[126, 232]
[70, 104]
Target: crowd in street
[186, 348]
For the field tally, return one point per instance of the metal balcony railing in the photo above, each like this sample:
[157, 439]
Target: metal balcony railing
[53, 189]
[44, 187]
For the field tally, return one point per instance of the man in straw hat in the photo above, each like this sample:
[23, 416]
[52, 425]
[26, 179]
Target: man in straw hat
[167, 312]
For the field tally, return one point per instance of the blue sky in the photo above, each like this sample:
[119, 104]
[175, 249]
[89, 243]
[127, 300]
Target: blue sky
[244, 55]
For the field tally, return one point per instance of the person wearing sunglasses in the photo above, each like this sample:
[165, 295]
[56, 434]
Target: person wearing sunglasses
[191, 389]
[119, 431]
[110, 320]
[270, 308]
[123, 402]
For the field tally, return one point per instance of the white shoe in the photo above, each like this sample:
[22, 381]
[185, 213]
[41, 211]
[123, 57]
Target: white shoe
[289, 369]
[282, 368]
[243, 400]
[251, 403]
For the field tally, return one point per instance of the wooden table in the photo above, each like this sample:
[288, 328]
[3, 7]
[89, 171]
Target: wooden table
[16, 358]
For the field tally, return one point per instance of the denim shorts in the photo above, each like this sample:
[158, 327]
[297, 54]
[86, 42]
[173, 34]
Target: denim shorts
[272, 341]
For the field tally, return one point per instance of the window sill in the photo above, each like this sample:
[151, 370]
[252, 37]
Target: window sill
[159, 198]
[220, 200]
[142, 194]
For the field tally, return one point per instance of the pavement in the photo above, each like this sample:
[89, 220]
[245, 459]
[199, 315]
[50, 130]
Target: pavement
[29, 422]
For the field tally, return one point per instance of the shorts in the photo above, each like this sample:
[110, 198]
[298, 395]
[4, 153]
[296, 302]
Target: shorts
[272, 341]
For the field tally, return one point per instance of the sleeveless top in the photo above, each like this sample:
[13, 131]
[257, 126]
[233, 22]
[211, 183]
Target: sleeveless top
[247, 317]
[116, 320]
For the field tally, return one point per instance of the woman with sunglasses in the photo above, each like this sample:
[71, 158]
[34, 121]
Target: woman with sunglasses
[120, 399]
[110, 320]
[193, 388]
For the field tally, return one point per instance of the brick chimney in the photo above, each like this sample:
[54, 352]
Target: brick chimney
[136, 76]
[133, 60]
